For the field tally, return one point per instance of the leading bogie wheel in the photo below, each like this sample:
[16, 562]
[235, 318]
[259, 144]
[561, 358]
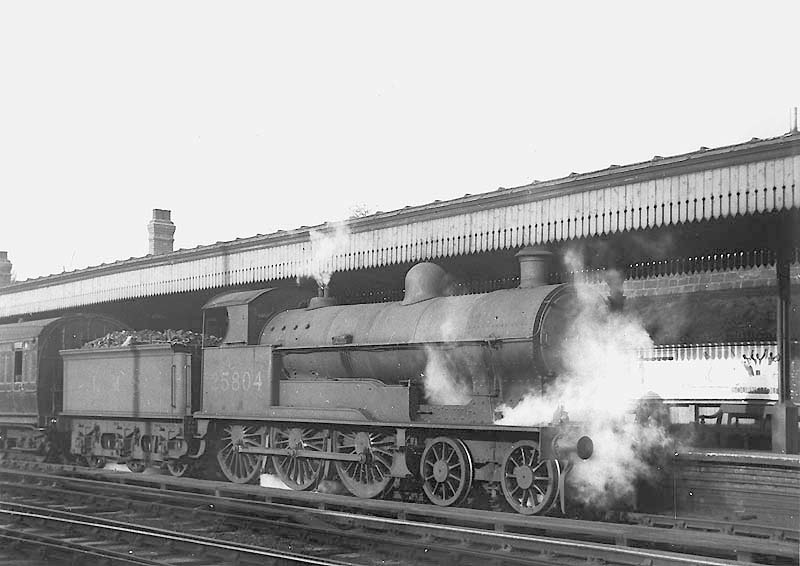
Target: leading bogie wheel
[177, 468]
[530, 484]
[446, 470]
[298, 473]
[136, 466]
[371, 475]
[237, 466]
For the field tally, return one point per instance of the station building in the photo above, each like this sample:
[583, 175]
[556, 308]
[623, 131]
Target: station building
[703, 247]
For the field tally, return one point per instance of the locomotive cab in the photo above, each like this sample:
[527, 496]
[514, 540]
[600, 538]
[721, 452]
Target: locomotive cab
[239, 375]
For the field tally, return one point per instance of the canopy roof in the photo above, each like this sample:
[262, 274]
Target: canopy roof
[745, 180]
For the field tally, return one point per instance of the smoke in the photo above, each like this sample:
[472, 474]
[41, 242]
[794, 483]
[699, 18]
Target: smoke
[324, 246]
[601, 388]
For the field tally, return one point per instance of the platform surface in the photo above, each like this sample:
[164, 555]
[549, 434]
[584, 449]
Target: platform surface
[756, 457]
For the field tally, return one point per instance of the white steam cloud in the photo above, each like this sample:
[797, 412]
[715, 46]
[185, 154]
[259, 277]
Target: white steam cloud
[446, 379]
[601, 388]
[325, 245]
[442, 382]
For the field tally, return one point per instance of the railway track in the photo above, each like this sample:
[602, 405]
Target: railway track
[371, 532]
[55, 535]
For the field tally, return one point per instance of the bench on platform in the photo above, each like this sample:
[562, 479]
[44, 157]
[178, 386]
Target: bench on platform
[743, 423]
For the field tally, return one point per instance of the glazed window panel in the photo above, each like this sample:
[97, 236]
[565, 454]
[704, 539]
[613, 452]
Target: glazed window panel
[17, 366]
[5, 371]
[29, 367]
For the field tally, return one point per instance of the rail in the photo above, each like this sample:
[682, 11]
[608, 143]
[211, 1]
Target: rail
[438, 534]
[99, 540]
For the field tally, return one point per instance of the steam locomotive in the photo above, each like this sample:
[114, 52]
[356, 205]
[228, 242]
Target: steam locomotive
[309, 389]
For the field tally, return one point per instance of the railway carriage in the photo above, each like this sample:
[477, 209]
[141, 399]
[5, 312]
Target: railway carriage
[31, 375]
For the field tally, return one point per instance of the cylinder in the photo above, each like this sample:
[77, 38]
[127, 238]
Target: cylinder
[564, 445]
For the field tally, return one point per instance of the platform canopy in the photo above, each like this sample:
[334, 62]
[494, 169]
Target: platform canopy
[752, 178]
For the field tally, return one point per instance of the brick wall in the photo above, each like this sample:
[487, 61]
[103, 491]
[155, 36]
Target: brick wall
[736, 305]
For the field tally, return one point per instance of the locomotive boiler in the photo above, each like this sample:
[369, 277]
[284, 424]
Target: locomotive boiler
[500, 345]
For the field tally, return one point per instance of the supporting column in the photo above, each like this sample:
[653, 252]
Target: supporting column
[784, 413]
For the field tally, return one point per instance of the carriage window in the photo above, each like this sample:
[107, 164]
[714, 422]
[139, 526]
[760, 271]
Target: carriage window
[18, 366]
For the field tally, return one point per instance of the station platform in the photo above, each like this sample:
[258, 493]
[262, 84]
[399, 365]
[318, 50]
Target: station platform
[737, 485]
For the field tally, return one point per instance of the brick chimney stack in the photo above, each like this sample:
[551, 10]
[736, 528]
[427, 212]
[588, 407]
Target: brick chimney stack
[5, 270]
[160, 230]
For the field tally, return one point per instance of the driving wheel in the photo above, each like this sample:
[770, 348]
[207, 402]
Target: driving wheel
[446, 471]
[529, 483]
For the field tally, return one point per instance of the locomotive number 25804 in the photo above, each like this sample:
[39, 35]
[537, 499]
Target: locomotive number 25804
[234, 381]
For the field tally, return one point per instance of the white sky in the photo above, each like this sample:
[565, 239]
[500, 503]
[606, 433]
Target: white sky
[249, 117]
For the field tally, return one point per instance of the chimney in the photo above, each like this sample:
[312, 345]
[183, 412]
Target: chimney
[534, 267]
[5, 270]
[160, 231]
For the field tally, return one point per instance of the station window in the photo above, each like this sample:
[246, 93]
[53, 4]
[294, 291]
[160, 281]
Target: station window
[18, 366]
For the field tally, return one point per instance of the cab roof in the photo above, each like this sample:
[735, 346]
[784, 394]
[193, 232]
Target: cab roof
[234, 298]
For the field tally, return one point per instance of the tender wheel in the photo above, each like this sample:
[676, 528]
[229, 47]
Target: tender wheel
[298, 473]
[529, 483]
[176, 468]
[136, 466]
[96, 462]
[446, 471]
[371, 476]
[239, 467]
